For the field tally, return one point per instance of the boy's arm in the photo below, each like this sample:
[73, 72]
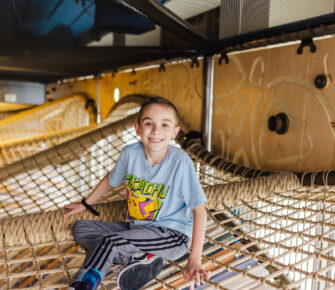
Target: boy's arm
[100, 189]
[193, 269]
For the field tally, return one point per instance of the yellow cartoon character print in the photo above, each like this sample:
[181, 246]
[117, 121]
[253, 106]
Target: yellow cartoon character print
[142, 207]
[145, 198]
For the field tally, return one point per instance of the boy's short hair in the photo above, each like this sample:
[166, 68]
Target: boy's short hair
[160, 101]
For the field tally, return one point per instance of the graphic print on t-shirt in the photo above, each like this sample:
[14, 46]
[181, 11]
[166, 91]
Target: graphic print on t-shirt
[145, 199]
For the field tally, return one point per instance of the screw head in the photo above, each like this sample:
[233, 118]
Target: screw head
[279, 123]
[320, 81]
[272, 123]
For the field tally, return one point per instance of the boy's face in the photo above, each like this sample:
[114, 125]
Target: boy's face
[158, 126]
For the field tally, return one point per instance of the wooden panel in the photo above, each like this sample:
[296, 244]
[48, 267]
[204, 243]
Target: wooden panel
[60, 90]
[320, 107]
[258, 84]
[179, 83]
[275, 151]
[252, 87]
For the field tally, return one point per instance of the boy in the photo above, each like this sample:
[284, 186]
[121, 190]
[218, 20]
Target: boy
[163, 196]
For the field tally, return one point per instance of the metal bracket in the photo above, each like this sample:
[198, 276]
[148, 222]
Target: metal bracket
[194, 62]
[114, 71]
[162, 68]
[223, 56]
[307, 42]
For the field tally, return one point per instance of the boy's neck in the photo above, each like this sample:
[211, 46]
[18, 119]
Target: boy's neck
[155, 157]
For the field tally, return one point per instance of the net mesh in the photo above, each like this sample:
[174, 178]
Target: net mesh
[224, 19]
[4, 115]
[188, 9]
[26, 133]
[267, 232]
[239, 17]
[9, 109]
[66, 113]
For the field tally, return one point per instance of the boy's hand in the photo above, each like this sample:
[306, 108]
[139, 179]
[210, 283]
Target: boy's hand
[74, 208]
[193, 271]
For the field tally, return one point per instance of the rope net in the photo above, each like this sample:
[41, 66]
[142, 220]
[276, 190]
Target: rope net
[26, 133]
[265, 232]
[10, 109]
[4, 115]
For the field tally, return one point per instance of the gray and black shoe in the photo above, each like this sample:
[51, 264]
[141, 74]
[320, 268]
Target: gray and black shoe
[78, 285]
[141, 269]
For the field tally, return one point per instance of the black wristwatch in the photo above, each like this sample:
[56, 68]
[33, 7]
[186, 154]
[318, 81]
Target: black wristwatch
[91, 209]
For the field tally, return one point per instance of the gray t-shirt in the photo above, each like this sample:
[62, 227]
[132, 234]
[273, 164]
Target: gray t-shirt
[162, 195]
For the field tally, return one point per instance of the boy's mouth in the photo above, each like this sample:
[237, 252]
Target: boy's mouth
[155, 140]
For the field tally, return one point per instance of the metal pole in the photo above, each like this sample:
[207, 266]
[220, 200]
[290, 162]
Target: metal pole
[97, 78]
[207, 111]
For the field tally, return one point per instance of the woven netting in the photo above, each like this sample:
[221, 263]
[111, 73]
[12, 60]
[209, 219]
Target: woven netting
[4, 115]
[264, 232]
[26, 133]
[8, 109]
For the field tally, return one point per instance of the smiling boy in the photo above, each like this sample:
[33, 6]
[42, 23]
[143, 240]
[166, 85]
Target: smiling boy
[165, 201]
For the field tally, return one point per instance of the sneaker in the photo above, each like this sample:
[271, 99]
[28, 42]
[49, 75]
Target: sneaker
[90, 281]
[77, 286]
[141, 269]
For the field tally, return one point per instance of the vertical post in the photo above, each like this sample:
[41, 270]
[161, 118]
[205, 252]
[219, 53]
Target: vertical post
[207, 107]
[97, 79]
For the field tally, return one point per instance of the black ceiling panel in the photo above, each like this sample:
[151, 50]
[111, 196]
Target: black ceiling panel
[47, 40]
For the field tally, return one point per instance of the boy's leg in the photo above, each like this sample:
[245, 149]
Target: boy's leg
[156, 243]
[165, 243]
[89, 234]
[111, 243]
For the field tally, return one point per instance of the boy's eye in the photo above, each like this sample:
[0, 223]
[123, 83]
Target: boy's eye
[166, 125]
[147, 124]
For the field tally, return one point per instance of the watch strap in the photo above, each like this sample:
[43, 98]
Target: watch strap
[90, 208]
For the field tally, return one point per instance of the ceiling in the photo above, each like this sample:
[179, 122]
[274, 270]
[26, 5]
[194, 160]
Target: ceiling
[48, 40]
[44, 41]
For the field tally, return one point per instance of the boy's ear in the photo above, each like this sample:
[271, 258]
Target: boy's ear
[176, 131]
[137, 128]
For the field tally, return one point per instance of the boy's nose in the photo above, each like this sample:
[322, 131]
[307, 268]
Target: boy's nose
[154, 129]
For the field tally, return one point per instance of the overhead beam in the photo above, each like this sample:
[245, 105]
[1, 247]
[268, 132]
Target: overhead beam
[162, 16]
[308, 28]
[53, 63]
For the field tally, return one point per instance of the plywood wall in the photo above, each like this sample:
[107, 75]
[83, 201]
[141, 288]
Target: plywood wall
[258, 84]
[252, 87]
[179, 83]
